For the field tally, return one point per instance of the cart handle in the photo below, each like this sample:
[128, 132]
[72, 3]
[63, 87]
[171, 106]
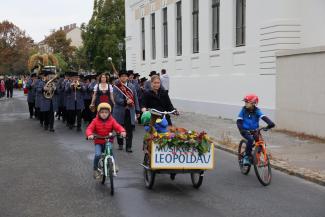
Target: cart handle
[155, 111]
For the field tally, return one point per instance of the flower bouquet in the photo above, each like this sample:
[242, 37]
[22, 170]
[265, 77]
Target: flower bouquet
[181, 138]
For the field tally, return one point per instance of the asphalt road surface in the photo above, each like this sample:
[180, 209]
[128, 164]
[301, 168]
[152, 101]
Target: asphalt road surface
[50, 174]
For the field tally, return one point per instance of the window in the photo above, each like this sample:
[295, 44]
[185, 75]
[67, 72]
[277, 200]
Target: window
[195, 14]
[143, 46]
[153, 37]
[240, 22]
[179, 28]
[215, 24]
[165, 33]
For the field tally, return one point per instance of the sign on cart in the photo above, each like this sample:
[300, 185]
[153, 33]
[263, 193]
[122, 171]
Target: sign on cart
[180, 158]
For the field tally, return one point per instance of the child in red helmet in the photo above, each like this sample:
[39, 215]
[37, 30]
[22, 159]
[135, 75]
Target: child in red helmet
[248, 120]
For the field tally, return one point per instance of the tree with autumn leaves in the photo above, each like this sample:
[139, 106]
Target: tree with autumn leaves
[15, 49]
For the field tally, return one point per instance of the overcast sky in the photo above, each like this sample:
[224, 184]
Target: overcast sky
[38, 17]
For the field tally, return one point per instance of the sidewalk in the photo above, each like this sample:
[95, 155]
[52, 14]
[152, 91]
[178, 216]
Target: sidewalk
[300, 157]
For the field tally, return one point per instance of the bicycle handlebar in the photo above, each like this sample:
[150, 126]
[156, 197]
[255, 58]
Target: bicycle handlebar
[259, 130]
[109, 136]
[162, 113]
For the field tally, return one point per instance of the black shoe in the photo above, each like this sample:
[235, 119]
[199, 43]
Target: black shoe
[70, 127]
[129, 150]
[120, 147]
[52, 130]
[46, 127]
[30, 117]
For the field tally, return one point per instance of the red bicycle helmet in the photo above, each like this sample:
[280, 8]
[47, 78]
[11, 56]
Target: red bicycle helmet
[251, 98]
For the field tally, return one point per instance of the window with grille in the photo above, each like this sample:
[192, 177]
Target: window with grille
[165, 33]
[215, 24]
[240, 22]
[143, 47]
[179, 28]
[153, 36]
[195, 15]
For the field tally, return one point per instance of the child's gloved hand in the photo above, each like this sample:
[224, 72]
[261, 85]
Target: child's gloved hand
[123, 134]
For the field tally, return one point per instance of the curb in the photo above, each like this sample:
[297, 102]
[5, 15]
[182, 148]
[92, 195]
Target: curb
[283, 166]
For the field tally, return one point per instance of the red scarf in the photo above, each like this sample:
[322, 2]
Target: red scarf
[127, 92]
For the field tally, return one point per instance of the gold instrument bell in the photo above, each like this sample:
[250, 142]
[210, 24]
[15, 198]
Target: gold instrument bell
[49, 87]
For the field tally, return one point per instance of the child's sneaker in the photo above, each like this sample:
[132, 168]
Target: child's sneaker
[97, 174]
[246, 161]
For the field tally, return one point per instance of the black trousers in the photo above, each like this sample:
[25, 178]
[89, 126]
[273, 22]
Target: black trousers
[37, 113]
[31, 107]
[129, 131]
[41, 117]
[10, 92]
[48, 118]
[64, 114]
[72, 114]
[86, 113]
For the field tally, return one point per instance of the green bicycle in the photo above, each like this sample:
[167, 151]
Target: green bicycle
[106, 164]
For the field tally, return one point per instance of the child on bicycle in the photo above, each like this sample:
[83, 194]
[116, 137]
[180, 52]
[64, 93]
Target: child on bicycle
[102, 125]
[248, 120]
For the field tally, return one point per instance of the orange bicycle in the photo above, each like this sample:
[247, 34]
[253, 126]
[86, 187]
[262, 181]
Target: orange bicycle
[260, 158]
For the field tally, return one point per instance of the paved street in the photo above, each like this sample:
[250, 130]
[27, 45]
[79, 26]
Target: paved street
[45, 174]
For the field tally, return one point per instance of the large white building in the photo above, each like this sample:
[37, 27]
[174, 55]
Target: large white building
[216, 51]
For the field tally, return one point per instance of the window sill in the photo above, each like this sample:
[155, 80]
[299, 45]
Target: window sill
[164, 60]
[195, 56]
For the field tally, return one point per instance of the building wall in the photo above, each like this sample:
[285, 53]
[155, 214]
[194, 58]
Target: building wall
[301, 91]
[214, 82]
[75, 36]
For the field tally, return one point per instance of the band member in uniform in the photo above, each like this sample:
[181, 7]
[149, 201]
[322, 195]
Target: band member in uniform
[48, 104]
[65, 112]
[60, 90]
[38, 97]
[126, 107]
[90, 82]
[74, 100]
[31, 86]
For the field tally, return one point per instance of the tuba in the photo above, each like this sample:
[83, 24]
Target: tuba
[49, 88]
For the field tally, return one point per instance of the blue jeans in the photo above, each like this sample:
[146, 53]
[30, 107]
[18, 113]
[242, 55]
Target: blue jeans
[99, 149]
[250, 141]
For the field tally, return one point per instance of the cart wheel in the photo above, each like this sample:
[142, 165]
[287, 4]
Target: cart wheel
[172, 176]
[149, 175]
[197, 179]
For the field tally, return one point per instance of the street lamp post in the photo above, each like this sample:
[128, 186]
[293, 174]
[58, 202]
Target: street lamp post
[120, 47]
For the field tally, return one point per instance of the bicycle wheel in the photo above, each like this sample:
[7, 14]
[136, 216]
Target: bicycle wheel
[197, 179]
[101, 167]
[262, 166]
[241, 151]
[149, 175]
[111, 174]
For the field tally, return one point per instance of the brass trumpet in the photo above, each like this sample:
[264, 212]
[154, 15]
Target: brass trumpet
[76, 84]
[49, 88]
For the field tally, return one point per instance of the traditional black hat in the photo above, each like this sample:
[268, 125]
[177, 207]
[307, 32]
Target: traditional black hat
[144, 79]
[152, 73]
[73, 73]
[123, 72]
[130, 72]
[136, 75]
[33, 75]
[48, 71]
